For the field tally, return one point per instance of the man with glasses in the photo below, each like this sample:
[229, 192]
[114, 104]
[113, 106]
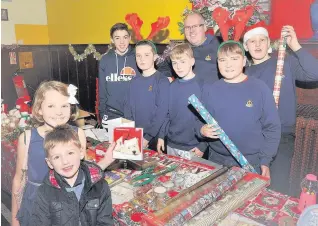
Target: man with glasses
[204, 48]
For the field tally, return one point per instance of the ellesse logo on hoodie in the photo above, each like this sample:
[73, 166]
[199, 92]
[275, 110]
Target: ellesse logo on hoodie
[126, 74]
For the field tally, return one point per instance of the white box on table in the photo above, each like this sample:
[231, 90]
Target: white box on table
[111, 124]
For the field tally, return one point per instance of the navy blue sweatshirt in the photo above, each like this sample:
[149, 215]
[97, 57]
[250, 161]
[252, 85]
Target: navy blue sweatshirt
[299, 65]
[115, 72]
[179, 127]
[205, 60]
[147, 103]
[247, 113]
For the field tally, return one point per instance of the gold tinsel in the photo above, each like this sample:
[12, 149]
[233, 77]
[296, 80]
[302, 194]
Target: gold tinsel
[90, 49]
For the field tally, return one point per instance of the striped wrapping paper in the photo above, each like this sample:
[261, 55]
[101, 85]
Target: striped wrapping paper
[223, 137]
[232, 200]
[211, 194]
[279, 68]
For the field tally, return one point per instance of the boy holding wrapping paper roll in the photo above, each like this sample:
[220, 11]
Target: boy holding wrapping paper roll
[299, 65]
[245, 109]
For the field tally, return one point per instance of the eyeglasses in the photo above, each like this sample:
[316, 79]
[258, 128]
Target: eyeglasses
[193, 27]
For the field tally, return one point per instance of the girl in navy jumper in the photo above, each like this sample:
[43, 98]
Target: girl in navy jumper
[181, 118]
[245, 109]
[299, 65]
[147, 100]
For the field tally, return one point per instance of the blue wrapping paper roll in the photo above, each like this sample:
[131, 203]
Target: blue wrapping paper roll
[223, 137]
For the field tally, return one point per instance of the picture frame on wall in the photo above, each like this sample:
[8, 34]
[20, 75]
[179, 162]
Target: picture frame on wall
[4, 15]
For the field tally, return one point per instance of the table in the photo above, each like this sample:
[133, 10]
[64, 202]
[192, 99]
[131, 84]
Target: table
[274, 206]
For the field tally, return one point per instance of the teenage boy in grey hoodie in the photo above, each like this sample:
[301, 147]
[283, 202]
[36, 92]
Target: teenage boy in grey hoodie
[116, 69]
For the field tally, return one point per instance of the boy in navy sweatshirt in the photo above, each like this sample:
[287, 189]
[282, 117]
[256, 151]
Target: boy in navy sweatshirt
[299, 65]
[245, 109]
[181, 119]
[116, 69]
[147, 100]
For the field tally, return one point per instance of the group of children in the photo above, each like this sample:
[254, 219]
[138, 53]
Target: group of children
[64, 189]
[242, 103]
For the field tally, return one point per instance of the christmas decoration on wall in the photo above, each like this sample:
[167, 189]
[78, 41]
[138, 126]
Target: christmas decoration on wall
[10, 47]
[90, 49]
[233, 7]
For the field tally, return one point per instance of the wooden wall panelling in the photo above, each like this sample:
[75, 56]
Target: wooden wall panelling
[63, 66]
[55, 70]
[92, 73]
[32, 76]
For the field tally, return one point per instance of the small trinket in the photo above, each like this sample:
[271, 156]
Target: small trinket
[168, 185]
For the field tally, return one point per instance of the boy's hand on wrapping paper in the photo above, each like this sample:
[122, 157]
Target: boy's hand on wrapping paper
[145, 143]
[160, 146]
[210, 131]
[291, 37]
[108, 157]
[265, 171]
[197, 152]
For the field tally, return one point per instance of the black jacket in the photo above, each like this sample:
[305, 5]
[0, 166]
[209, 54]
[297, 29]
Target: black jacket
[55, 206]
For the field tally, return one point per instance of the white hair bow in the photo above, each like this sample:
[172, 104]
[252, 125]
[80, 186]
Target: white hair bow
[71, 90]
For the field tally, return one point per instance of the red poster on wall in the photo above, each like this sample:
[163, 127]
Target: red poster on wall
[283, 13]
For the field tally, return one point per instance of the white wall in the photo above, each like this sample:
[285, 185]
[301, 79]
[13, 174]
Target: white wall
[21, 12]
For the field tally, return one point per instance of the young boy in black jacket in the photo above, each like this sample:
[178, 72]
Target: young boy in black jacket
[74, 192]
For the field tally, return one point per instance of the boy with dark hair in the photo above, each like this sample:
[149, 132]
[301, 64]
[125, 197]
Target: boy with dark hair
[147, 100]
[181, 119]
[299, 65]
[74, 192]
[116, 68]
[244, 108]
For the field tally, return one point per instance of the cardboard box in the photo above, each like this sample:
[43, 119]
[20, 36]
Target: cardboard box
[80, 121]
[110, 125]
